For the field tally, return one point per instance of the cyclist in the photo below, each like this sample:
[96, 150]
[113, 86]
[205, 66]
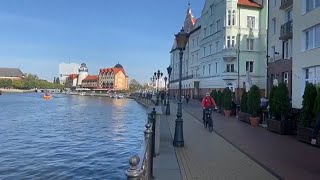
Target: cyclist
[207, 103]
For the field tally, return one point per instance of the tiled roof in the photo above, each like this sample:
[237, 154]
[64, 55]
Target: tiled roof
[73, 76]
[11, 72]
[114, 70]
[91, 78]
[249, 3]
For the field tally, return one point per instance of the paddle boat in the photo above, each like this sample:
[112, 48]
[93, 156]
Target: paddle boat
[47, 96]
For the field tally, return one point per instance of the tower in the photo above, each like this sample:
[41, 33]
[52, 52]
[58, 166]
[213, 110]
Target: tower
[83, 73]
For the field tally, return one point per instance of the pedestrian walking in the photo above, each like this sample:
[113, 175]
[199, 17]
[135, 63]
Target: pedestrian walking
[187, 99]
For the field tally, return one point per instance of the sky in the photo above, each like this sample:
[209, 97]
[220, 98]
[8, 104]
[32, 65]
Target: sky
[37, 35]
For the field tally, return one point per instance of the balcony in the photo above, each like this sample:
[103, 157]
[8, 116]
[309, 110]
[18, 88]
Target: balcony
[285, 4]
[183, 78]
[229, 75]
[229, 54]
[286, 31]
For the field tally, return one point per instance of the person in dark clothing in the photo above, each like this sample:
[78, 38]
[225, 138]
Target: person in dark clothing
[187, 98]
[316, 130]
[162, 97]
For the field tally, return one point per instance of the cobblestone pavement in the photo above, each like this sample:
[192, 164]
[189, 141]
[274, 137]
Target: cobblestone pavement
[207, 156]
[282, 155]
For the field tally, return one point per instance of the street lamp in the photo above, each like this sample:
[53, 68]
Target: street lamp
[165, 90]
[182, 40]
[169, 69]
[157, 75]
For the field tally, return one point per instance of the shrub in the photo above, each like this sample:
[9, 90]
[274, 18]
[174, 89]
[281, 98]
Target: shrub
[214, 94]
[219, 99]
[271, 104]
[317, 102]
[244, 100]
[254, 101]
[281, 102]
[308, 103]
[227, 99]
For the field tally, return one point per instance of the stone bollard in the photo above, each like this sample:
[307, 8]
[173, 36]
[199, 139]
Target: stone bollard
[133, 173]
[149, 156]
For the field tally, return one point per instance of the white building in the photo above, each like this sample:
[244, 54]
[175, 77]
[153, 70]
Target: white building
[83, 73]
[228, 40]
[65, 69]
[306, 47]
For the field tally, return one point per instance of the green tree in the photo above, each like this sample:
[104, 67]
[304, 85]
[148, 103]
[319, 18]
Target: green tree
[254, 101]
[134, 85]
[5, 83]
[317, 102]
[227, 99]
[281, 101]
[18, 84]
[309, 95]
[271, 101]
[29, 76]
[244, 99]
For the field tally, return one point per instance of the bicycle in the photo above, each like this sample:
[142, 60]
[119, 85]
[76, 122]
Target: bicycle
[208, 120]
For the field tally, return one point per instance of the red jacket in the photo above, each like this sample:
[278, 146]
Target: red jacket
[207, 102]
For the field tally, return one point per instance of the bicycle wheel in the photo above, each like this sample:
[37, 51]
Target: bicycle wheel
[210, 125]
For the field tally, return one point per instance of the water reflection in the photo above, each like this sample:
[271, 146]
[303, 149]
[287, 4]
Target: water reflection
[68, 137]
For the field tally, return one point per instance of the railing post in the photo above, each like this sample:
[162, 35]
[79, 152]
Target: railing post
[149, 156]
[153, 120]
[133, 173]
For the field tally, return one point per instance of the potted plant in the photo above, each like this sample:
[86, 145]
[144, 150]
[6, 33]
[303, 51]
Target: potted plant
[280, 108]
[306, 123]
[243, 114]
[254, 105]
[227, 102]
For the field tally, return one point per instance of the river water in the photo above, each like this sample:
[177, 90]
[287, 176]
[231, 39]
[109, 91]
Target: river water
[68, 137]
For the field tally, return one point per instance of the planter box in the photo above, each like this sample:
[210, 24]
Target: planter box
[305, 134]
[288, 127]
[244, 117]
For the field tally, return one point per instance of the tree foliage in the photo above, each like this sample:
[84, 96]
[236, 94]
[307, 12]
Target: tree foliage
[281, 101]
[227, 99]
[308, 103]
[317, 102]
[5, 83]
[134, 85]
[244, 100]
[254, 101]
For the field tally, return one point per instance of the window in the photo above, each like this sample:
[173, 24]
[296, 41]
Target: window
[233, 17]
[312, 38]
[311, 4]
[274, 3]
[312, 75]
[192, 42]
[204, 51]
[192, 59]
[229, 17]
[218, 25]
[209, 67]
[210, 48]
[197, 56]
[192, 72]
[251, 22]
[249, 66]
[250, 43]
[230, 68]
[216, 67]
[217, 46]
[289, 15]
[287, 49]
[273, 26]
[211, 28]
[228, 42]
[203, 69]
[211, 10]
[233, 41]
[197, 41]
[285, 76]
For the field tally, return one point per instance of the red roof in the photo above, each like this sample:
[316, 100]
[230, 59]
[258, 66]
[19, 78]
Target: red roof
[73, 76]
[91, 78]
[249, 3]
[194, 20]
[114, 70]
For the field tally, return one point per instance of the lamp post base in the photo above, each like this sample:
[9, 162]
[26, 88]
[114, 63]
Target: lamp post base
[168, 108]
[178, 132]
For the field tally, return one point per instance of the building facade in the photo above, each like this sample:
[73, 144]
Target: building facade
[71, 81]
[65, 69]
[83, 73]
[91, 82]
[113, 78]
[226, 42]
[306, 44]
[280, 41]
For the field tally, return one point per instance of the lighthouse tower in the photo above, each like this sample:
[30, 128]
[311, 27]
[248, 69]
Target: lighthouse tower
[83, 73]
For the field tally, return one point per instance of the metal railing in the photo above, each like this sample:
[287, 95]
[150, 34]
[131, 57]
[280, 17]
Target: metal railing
[285, 4]
[286, 30]
[144, 170]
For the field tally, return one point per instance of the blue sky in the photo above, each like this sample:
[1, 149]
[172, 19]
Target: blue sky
[37, 35]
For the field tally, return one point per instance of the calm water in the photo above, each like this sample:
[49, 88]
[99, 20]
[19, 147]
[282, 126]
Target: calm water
[68, 137]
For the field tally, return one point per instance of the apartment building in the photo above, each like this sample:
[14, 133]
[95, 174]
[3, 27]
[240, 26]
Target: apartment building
[226, 42]
[280, 41]
[306, 47]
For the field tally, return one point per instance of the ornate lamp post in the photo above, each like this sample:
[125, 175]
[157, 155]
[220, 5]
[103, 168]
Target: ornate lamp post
[157, 75]
[165, 90]
[182, 40]
[169, 69]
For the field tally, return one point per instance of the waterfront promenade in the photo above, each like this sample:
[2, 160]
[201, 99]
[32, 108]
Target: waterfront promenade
[235, 150]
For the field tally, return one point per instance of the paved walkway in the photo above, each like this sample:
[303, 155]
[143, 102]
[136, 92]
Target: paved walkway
[283, 155]
[208, 156]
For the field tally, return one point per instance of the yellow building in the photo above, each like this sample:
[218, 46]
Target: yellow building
[113, 78]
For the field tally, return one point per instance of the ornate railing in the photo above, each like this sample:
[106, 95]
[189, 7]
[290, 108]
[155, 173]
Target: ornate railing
[286, 30]
[285, 4]
[143, 170]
